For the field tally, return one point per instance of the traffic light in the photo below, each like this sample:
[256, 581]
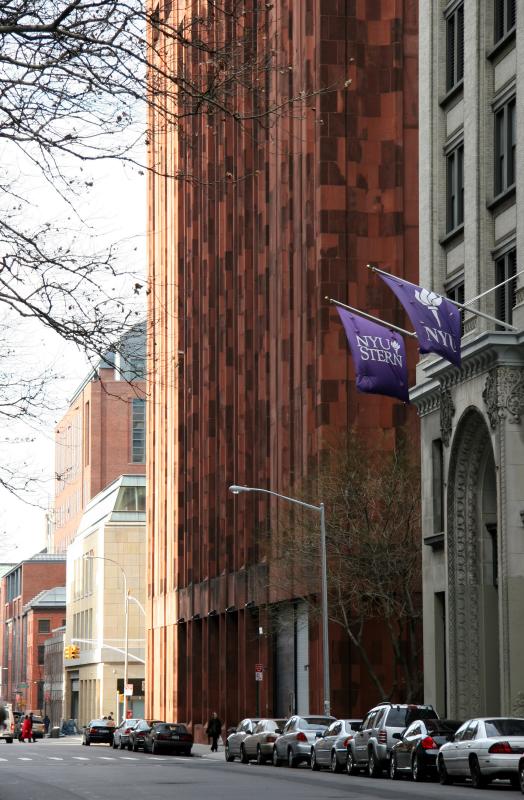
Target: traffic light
[75, 651]
[67, 651]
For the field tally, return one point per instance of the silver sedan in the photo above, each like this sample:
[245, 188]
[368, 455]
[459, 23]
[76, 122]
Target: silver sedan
[235, 739]
[330, 749]
[298, 738]
[260, 744]
[483, 749]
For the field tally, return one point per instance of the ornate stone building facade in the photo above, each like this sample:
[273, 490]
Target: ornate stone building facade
[471, 184]
[250, 373]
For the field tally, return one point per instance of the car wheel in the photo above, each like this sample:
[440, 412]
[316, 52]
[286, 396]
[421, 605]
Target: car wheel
[229, 757]
[351, 767]
[9, 741]
[274, 758]
[88, 743]
[122, 745]
[521, 776]
[260, 758]
[334, 765]
[478, 780]
[114, 745]
[135, 747]
[514, 782]
[374, 770]
[313, 761]
[417, 771]
[243, 757]
[443, 774]
[393, 768]
[291, 760]
[153, 748]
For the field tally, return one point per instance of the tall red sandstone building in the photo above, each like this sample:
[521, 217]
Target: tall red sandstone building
[250, 369]
[101, 436]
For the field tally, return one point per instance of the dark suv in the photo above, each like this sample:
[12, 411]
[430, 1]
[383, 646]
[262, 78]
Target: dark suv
[370, 746]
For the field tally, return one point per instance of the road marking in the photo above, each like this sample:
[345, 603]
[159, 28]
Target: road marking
[106, 758]
[55, 758]
[128, 758]
[21, 758]
[80, 758]
[4, 759]
[156, 758]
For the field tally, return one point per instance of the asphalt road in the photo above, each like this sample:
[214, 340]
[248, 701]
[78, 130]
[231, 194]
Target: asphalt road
[64, 770]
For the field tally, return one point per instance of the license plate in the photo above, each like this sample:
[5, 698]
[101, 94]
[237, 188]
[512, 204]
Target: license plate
[175, 736]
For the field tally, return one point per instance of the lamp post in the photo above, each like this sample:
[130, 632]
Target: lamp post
[126, 613]
[323, 564]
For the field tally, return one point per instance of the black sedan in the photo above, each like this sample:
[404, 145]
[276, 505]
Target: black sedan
[137, 735]
[98, 732]
[171, 736]
[416, 753]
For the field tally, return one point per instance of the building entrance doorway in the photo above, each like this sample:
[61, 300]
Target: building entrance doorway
[472, 564]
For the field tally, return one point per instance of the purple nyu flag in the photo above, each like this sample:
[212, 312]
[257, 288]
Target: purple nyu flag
[379, 355]
[435, 319]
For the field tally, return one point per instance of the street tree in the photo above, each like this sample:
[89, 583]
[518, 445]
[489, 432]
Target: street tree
[371, 494]
[80, 82]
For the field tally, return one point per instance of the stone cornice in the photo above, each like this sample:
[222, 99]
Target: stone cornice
[479, 355]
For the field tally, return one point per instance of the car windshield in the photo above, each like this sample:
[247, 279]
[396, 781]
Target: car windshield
[402, 717]
[315, 723]
[444, 726]
[504, 727]
[274, 724]
[98, 723]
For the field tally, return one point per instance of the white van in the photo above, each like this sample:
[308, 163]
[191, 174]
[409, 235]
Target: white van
[7, 727]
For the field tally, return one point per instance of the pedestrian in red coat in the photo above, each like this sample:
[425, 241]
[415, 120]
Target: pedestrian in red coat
[26, 729]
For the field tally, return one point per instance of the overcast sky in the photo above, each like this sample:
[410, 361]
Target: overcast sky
[116, 210]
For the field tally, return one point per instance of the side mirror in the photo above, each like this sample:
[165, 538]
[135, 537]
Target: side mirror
[249, 731]
[397, 736]
[278, 730]
[319, 735]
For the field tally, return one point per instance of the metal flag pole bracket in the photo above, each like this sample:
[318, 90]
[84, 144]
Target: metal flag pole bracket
[389, 325]
[462, 306]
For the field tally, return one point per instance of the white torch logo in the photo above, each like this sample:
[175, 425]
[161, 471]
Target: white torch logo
[431, 300]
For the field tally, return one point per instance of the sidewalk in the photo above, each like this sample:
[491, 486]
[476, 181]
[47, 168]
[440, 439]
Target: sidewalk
[204, 751]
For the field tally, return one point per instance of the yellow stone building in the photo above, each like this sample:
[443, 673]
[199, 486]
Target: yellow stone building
[107, 552]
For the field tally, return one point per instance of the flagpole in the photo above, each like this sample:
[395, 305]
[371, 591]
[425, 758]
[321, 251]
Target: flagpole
[502, 283]
[453, 302]
[372, 318]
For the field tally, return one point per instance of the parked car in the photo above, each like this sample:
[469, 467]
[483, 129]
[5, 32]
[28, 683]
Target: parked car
[121, 733]
[7, 726]
[98, 732]
[137, 734]
[172, 736]
[260, 743]
[371, 746]
[483, 749]
[38, 724]
[298, 738]
[38, 727]
[235, 739]
[416, 751]
[330, 749]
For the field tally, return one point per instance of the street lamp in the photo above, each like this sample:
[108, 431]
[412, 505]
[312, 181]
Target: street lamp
[126, 611]
[323, 561]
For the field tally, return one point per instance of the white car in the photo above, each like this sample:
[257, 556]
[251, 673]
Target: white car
[483, 749]
[298, 737]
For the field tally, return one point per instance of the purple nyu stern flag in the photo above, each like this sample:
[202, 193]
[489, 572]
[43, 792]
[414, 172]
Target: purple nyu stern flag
[435, 319]
[379, 356]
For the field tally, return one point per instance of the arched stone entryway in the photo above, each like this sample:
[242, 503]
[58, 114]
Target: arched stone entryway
[472, 562]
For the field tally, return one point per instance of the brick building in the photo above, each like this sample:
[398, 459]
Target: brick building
[28, 615]
[101, 436]
[41, 615]
[249, 367]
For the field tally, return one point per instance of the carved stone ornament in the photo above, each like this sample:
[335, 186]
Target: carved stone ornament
[447, 412]
[504, 395]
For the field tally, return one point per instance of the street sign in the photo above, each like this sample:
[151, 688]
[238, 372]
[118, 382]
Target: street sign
[259, 676]
[128, 690]
[259, 668]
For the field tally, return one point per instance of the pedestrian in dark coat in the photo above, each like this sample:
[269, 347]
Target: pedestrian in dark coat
[33, 737]
[213, 730]
[47, 723]
[26, 729]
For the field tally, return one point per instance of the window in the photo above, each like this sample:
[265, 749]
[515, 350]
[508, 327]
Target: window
[505, 267]
[87, 443]
[41, 653]
[455, 47]
[455, 188]
[505, 17]
[44, 625]
[456, 293]
[471, 731]
[138, 431]
[505, 146]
